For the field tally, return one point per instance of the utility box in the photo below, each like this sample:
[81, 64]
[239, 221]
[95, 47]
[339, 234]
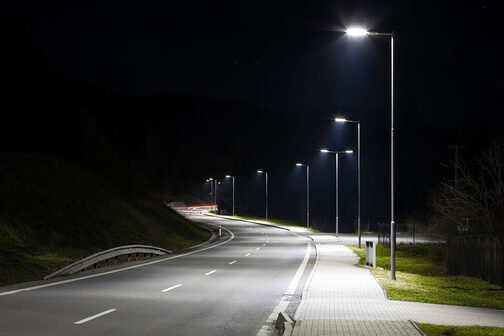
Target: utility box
[371, 253]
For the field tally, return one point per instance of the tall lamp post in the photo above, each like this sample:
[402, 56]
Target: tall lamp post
[343, 120]
[307, 192]
[211, 188]
[361, 32]
[213, 182]
[336, 154]
[266, 173]
[232, 177]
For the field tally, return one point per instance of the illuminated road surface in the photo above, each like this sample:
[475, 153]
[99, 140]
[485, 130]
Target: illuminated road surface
[230, 289]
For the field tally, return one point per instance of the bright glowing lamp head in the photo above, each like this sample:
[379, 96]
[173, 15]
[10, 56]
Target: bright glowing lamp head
[260, 171]
[228, 176]
[299, 164]
[210, 179]
[207, 180]
[349, 151]
[323, 150]
[340, 120]
[356, 32]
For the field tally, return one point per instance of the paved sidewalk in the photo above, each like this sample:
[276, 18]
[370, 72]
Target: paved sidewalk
[341, 298]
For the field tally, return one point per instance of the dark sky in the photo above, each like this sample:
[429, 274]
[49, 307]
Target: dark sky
[279, 54]
[287, 57]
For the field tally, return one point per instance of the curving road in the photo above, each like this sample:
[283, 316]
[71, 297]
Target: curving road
[230, 289]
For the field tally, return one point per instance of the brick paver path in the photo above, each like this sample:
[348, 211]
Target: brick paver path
[343, 299]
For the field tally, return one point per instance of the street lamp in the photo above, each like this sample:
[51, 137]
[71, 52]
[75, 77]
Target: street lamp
[266, 173]
[336, 154]
[232, 177]
[212, 186]
[359, 32]
[307, 192]
[342, 121]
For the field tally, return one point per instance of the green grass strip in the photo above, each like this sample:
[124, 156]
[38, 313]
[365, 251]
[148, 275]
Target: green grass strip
[420, 277]
[438, 330]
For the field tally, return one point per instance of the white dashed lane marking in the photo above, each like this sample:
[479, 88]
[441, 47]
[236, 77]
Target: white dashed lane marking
[87, 319]
[170, 288]
[246, 255]
[232, 262]
[208, 273]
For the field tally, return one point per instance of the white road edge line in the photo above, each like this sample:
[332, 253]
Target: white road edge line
[170, 288]
[95, 316]
[232, 262]
[284, 302]
[208, 273]
[114, 271]
[246, 255]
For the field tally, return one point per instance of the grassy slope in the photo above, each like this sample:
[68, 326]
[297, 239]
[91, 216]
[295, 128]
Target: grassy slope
[281, 222]
[437, 330]
[421, 278]
[52, 213]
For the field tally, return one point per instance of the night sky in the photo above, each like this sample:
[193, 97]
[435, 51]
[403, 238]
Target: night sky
[217, 88]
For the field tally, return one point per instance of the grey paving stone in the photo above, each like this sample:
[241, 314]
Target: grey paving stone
[343, 299]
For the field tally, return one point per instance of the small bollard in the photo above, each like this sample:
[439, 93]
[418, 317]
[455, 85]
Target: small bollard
[220, 230]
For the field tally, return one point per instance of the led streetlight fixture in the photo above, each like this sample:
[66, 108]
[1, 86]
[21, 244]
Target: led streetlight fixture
[356, 32]
[299, 164]
[340, 120]
[324, 150]
[228, 176]
[349, 151]
[260, 171]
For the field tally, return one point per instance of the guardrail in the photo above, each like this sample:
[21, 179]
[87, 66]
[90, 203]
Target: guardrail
[115, 252]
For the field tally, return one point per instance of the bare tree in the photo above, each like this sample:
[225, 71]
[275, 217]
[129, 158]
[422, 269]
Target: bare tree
[475, 204]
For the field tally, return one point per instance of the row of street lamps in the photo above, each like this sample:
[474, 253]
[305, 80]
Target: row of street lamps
[354, 33]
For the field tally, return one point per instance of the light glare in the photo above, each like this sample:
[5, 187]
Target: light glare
[356, 32]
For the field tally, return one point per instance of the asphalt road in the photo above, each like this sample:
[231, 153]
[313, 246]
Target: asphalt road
[229, 289]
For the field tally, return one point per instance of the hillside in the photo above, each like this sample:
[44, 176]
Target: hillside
[53, 213]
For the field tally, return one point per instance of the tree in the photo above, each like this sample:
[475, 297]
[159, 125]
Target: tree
[474, 203]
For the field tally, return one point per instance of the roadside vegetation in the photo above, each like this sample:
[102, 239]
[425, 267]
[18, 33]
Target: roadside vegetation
[53, 213]
[438, 330]
[281, 222]
[421, 277]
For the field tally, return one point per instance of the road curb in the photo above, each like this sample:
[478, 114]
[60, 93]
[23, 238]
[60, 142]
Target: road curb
[285, 324]
[248, 220]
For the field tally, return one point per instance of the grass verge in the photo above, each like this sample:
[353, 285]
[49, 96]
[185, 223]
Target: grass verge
[421, 278]
[438, 330]
[285, 222]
